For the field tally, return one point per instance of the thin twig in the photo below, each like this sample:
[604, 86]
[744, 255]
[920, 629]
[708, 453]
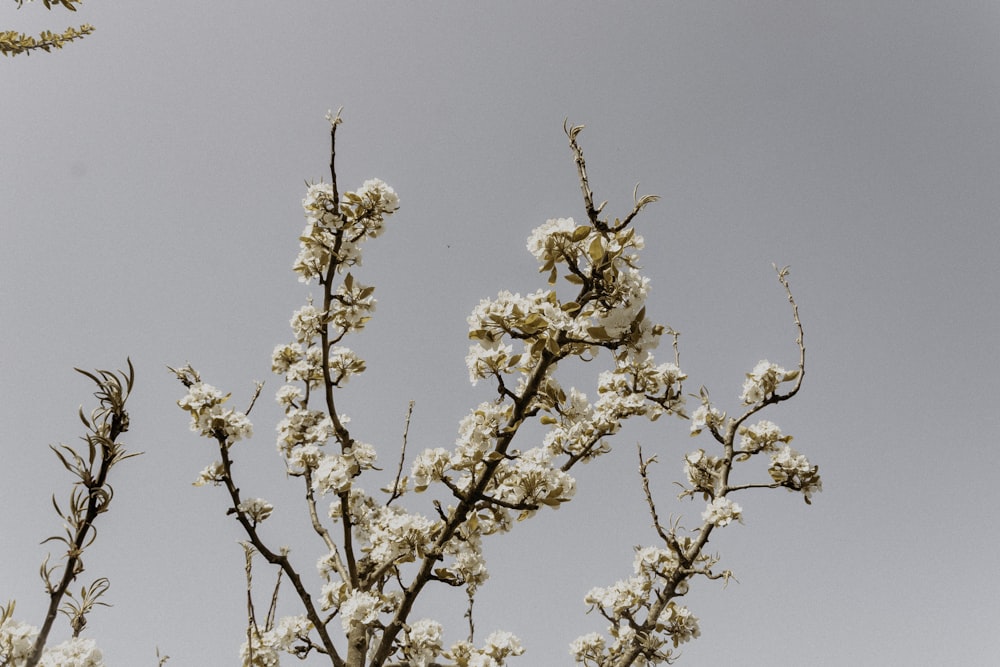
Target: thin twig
[396, 491]
[581, 166]
[274, 601]
[334, 122]
[640, 203]
[258, 385]
[252, 629]
[799, 341]
[468, 615]
[643, 465]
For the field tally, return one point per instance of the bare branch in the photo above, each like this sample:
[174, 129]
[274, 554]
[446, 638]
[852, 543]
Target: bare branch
[581, 165]
[397, 491]
[643, 466]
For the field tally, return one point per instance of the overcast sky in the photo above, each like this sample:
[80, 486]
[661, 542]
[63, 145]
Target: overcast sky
[150, 186]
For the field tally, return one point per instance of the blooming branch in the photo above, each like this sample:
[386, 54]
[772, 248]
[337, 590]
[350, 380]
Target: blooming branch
[381, 554]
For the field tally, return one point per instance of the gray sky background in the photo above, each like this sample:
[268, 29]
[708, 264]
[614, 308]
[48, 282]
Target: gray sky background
[150, 187]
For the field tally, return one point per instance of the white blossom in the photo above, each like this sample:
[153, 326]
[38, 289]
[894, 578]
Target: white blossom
[284, 357]
[352, 305]
[261, 652]
[302, 427]
[624, 596]
[77, 652]
[333, 474]
[306, 323]
[554, 236]
[763, 381]
[531, 479]
[213, 474]
[682, 624]
[333, 594]
[398, 536]
[204, 403]
[704, 472]
[762, 436]
[429, 466]
[289, 396]
[502, 644]
[378, 197]
[422, 642]
[257, 509]
[16, 642]
[468, 565]
[360, 608]
[793, 470]
[291, 629]
[488, 358]
[707, 416]
[477, 434]
[201, 397]
[652, 562]
[589, 646]
[344, 364]
[722, 511]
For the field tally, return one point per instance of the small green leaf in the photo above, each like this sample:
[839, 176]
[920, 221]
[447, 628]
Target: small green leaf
[596, 251]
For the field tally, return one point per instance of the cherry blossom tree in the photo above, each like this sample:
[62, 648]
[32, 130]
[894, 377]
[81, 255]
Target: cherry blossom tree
[381, 552]
[382, 549]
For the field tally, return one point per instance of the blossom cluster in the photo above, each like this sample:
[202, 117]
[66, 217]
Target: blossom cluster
[75, 652]
[298, 364]
[763, 381]
[639, 388]
[388, 536]
[303, 430]
[576, 429]
[264, 648]
[762, 436]
[704, 472]
[257, 509]
[334, 472]
[421, 643]
[208, 416]
[497, 647]
[585, 249]
[608, 311]
[706, 416]
[634, 608]
[478, 432]
[17, 642]
[530, 481]
[335, 229]
[722, 511]
[793, 471]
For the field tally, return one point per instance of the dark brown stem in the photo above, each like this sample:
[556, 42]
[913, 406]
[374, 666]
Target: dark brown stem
[281, 560]
[113, 418]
